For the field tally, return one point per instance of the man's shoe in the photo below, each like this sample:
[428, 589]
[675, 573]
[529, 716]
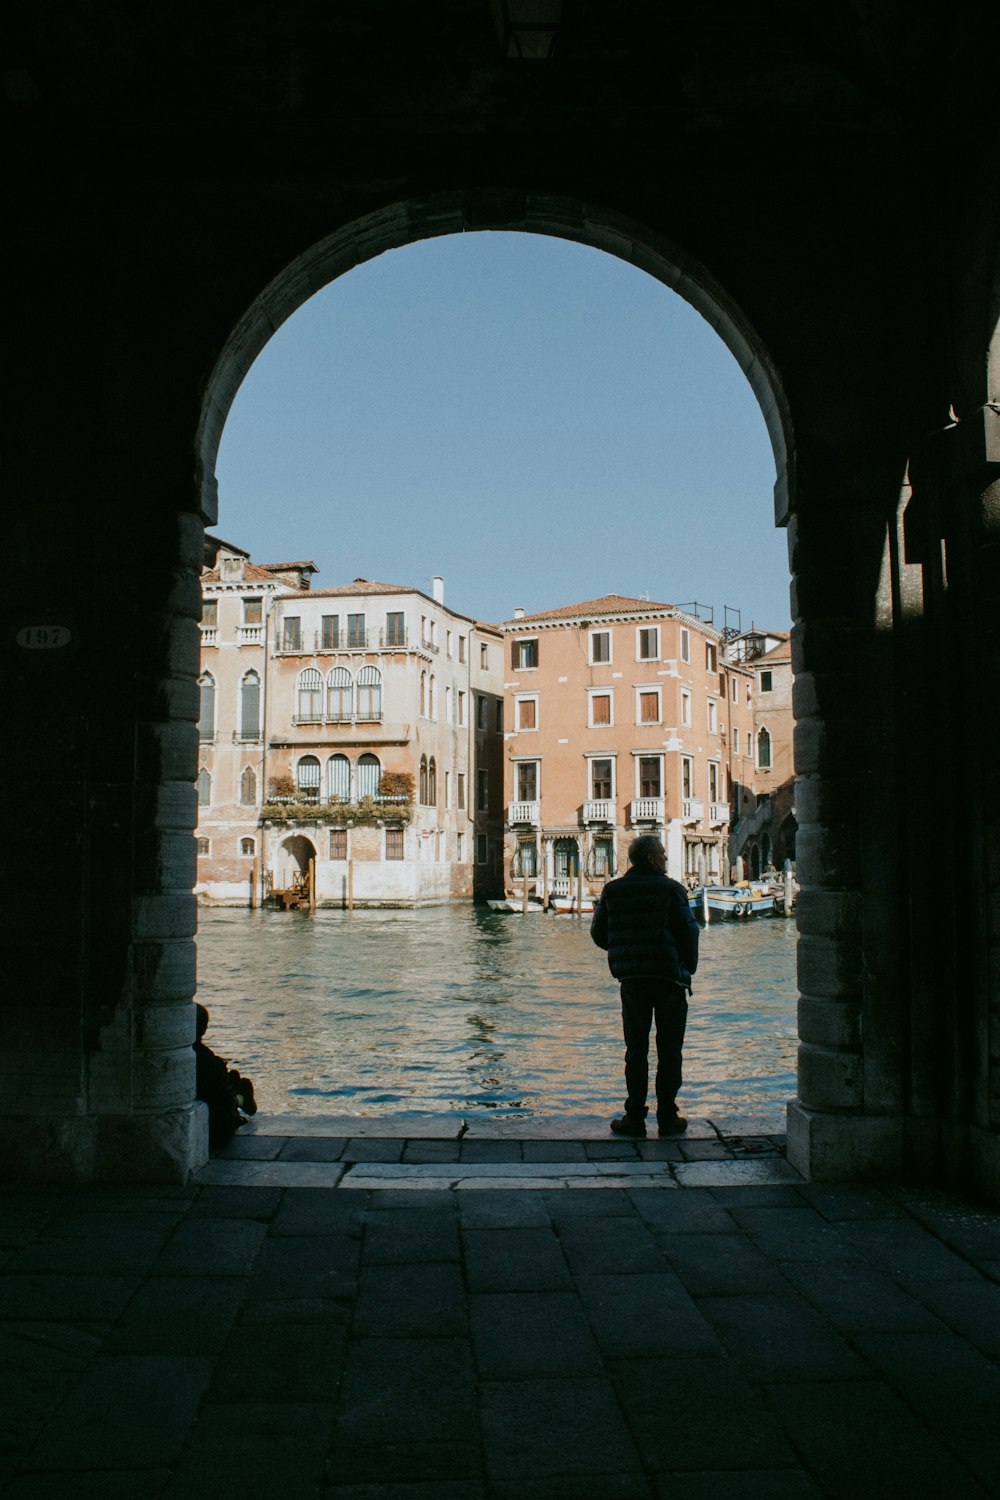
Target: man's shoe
[676, 1126]
[627, 1126]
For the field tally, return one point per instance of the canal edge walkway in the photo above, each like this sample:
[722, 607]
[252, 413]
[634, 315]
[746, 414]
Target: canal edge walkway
[434, 1153]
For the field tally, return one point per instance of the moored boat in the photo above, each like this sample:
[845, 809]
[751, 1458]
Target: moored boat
[731, 903]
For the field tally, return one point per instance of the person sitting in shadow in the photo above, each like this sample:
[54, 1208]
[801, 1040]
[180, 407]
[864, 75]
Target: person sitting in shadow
[229, 1096]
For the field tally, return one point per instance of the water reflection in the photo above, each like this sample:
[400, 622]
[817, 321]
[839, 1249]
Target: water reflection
[455, 1010]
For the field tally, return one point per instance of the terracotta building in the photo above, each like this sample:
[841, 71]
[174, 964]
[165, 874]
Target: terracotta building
[354, 730]
[764, 831]
[623, 717]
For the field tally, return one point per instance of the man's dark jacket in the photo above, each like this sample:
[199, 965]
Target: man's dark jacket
[644, 921]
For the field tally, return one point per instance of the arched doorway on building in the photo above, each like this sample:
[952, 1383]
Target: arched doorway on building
[292, 862]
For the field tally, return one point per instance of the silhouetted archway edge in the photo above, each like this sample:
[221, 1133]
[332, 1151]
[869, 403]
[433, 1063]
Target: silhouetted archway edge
[405, 223]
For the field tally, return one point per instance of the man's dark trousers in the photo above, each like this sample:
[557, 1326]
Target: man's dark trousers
[643, 1001]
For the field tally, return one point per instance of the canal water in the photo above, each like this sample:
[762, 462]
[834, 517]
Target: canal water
[460, 1010]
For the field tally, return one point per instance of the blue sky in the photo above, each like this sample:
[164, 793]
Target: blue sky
[535, 420]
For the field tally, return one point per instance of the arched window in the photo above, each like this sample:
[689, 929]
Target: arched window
[338, 779]
[206, 707]
[309, 708]
[250, 707]
[307, 776]
[366, 776]
[248, 788]
[422, 792]
[370, 695]
[432, 782]
[247, 846]
[204, 846]
[204, 787]
[764, 750]
[339, 687]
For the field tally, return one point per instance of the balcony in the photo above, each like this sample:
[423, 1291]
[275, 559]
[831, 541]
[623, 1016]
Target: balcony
[249, 635]
[599, 810]
[524, 813]
[647, 810]
[210, 635]
[718, 814]
[692, 810]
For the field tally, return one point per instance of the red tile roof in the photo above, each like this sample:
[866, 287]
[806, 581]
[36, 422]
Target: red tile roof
[252, 573]
[607, 604]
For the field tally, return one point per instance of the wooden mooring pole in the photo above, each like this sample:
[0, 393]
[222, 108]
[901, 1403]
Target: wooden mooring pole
[312, 884]
[350, 884]
[254, 878]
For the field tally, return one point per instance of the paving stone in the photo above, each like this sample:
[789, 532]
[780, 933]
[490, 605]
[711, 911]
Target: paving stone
[356, 1127]
[386, 1464]
[845, 1200]
[765, 1122]
[277, 1362]
[734, 1173]
[971, 1229]
[548, 1151]
[657, 1150]
[433, 1489]
[906, 1250]
[949, 1386]
[534, 1429]
[148, 1403]
[621, 1246]
[224, 1247]
[236, 1203]
[845, 1430]
[39, 1365]
[389, 1197]
[971, 1308]
[396, 1236]
[757, 1195]
[609, 1204]
[692, 1212]
[479, 1150]
[418, 1151]
[855, 1298]
[794, 1233]
[277, 1174]
[511, 1210]
[684, 1412]
[316, 1148]
[317, 1211]
[103, 1484]
[251, 1148]
[309, 1265]
[103, 1243]
[275, 1448]
[720, 1265]
[760, 1484]
[179, 1315]
[644, 1315]
[328, 1311]
[777, 1338]
[981, 1455]
[580, 1487]
[363, 1149]
[523, 1335]
[613, 1150]
[708, 1150]
[411, 1301]
[514, 1260]
[74, 1299]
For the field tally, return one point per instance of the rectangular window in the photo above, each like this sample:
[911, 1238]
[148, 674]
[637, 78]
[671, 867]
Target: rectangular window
[712, 710]
[650, 777]
[482, 791]
[394, 843]
[395, 628]
[600, 646]
[600, 709]
[460, 789]
[338, 843]
[686, 707]
[601, 779]
[736, 740]
[711, 657]
[604, 857]
[736, 689]
[461, 648]
[447, 789]
[484, 656]
[525, 655]
[460, 841]
[253, 611]
[526, 710]
[685, 644]
[499, 716]
[448, 696]
[482, 849]
[648, 643]
[766, 681]
[687, 776]
[649, 706]
[447, 644]
[291, 633]
[210, 611]
[713, 781]
[355, 630]
[527, 781]
[482, 712]
[461, 706]
[330, 632]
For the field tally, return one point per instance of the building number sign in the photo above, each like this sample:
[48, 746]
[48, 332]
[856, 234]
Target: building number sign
[43, 637]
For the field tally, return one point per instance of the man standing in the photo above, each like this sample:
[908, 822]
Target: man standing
[644, 922]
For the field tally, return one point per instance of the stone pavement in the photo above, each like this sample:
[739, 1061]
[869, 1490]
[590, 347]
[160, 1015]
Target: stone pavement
[656, 1338]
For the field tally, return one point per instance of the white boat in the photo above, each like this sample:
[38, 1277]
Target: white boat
[732, 903]
[514, 903]
[569, 904]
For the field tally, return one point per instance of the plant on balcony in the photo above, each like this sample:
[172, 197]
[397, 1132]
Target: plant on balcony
[396, 784]
[367, 810]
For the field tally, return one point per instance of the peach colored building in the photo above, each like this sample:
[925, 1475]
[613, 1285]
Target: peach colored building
[372, 748]
[623, 717]
[764, 834]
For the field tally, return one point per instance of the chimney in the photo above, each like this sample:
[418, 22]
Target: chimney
[437, 589]
[519, 612]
